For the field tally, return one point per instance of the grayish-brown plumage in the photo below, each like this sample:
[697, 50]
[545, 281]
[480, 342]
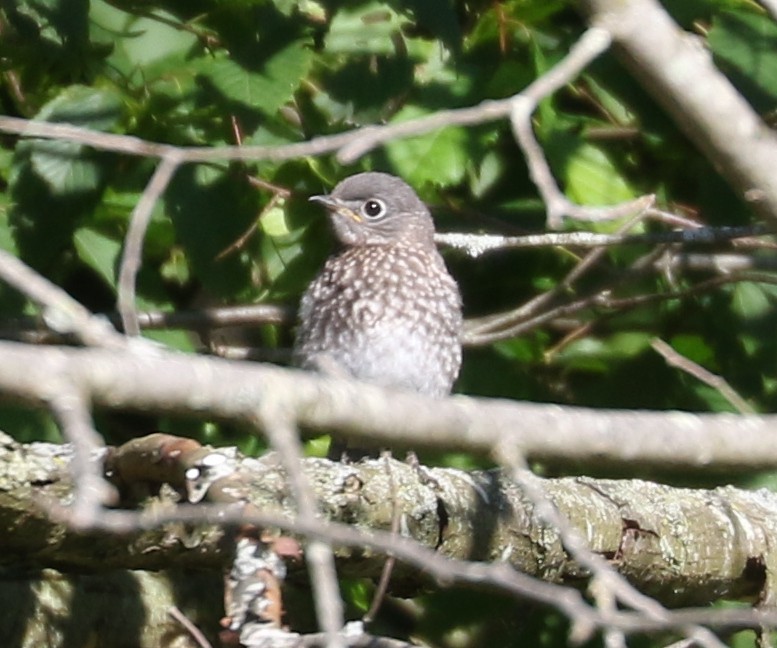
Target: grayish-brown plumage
[384, 309]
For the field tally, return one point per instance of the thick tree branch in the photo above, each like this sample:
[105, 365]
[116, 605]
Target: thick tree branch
[682, 546]
[157, 380]
[679, 73]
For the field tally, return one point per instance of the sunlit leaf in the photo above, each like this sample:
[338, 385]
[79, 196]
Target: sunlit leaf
[99, 252]
[439, 157]
[68, 167]
[267, 88]
[746, 45]
[592, 178]
[273, 221]
[750, 301]
[365, 29]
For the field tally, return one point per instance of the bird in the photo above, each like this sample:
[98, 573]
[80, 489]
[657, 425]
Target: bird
[383, 309]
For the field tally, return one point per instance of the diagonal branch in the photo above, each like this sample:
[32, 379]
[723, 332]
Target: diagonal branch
[679, 73]
[61, 313]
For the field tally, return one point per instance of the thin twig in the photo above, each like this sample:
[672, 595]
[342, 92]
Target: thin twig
[91, 490]
[478, 244]
[567, 600]
[195, 633]
[218, 317]
[718, 383]
[526, 317]
[388, 567]
[241, 240]
[133, 243]
[591, 44]
[514, 322]
[284, 438]
[605, 599]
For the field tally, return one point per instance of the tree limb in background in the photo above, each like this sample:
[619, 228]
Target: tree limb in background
[469, 527]
[679, 74]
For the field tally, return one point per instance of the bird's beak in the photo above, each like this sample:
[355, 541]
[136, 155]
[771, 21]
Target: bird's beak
[327, 201]
[336, 206]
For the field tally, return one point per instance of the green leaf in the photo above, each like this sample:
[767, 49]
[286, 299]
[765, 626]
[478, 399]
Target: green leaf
[59, 22]
[275, 260]
[99, 252]
[317, 446]
[586, 354]
[273, 221]
[598, 353]
[7, 241]
[364, 90]
[63, 169]
[439, 17]
[745, 45]
[617, 111]
[27, 425]
[96, 108]
[375, 29]
[591, 178]
[138, 41]
[752, 345]
[520, 349]
[694, 347]
[711, 397]
[176, 268]
[438, 158]
[180, 340]
[267, 89]
[488, 172]
[309, 8]
[364, 29]
[750, 301]
[211, 210]
[68, 167]
[358, 593]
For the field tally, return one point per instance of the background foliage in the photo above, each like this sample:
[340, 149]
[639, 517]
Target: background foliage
[210, 72]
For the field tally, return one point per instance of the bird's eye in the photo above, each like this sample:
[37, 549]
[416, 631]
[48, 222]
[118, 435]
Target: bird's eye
[374, 208]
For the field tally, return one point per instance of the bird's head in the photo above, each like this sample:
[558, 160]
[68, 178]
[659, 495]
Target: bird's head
[377, 209]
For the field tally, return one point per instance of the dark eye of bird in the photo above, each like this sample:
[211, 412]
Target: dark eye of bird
[374, 208]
